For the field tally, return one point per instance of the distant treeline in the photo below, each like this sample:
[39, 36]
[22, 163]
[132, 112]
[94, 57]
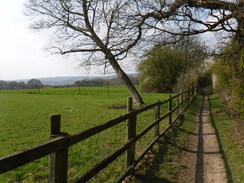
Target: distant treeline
[12, 85]
[34, 83]
[104, 82]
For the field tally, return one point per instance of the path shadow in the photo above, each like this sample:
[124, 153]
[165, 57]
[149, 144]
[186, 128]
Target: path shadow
[190, 133]
[145, 178]
[200, 160]
[149, 177]
[227, 167]
[199, 171]
[191, 151]
[200, 151]
[149, 174]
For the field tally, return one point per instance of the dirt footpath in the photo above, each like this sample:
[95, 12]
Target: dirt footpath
[202, 159]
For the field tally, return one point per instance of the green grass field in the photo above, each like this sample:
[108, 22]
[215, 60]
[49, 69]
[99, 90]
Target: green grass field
[24, 123]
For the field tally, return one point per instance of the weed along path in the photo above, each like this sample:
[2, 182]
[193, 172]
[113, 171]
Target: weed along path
[202, 158]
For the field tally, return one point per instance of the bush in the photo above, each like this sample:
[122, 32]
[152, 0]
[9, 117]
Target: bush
[229, 70]
[186, 80]
[159, 72]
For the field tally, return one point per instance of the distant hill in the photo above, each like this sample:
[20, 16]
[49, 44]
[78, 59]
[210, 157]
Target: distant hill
[67, 80]
[62, 80]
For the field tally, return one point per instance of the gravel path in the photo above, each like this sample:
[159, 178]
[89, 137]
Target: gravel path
[202, 159]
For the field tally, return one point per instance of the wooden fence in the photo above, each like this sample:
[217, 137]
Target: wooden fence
[58, 145]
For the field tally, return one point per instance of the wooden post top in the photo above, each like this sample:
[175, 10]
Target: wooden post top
[129, 104]
[55, 120]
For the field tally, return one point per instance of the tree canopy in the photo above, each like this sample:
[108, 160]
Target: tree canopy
[165, 64]
[35, 83]
[159, 72]
[229, 69]
[108, 30]
[189, 17]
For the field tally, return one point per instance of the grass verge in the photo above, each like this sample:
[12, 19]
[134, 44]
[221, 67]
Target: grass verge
[230, 134]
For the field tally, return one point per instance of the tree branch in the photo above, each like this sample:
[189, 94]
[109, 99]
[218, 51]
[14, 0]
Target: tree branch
[78, 50]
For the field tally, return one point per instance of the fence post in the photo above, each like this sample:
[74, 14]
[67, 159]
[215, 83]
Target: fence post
[58, 165]
[157, 116]
[131, 133]
[169, 109]
[177, 104]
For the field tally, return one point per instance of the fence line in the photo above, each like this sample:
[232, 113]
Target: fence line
[58, 145]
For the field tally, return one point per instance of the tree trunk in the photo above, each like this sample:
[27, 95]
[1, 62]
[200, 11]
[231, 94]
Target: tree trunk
[240, 34]
[112, 60]
[123, 76]
[237, 12]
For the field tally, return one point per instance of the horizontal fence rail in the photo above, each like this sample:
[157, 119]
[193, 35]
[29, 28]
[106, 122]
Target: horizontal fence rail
[59, 143]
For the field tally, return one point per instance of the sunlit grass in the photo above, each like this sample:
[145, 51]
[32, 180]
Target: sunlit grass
[24, 123]
[230, 134]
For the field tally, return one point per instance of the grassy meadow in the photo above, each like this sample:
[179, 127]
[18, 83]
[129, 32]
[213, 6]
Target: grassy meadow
[24, 123]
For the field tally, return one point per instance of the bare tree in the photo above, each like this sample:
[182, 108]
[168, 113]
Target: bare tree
[181, 18]
[108, 29]
[189, 17]
[102, 28]
[35, 83]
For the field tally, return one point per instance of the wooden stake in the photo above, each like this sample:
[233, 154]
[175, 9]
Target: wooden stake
[58, 167]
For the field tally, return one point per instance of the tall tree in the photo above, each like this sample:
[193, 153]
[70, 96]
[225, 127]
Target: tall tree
[34, 83]
[164, 64]
[103, 29]
[108, 29]
[229, 71]
[159, 71]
